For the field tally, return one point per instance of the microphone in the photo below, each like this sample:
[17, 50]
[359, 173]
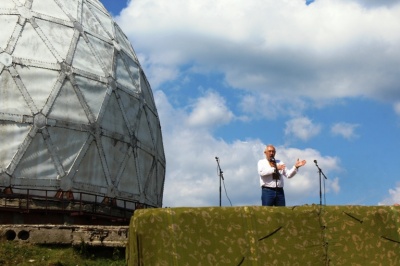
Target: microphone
[315, 161]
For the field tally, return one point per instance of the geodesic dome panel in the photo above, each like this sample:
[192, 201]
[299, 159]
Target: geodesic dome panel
[76, 110]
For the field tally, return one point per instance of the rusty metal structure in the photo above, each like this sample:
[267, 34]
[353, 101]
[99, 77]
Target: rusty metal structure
[80, 136]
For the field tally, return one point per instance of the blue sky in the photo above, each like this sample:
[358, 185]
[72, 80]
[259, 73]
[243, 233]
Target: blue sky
[318, 79]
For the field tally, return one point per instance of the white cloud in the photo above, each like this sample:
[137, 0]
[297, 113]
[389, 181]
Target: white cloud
[374, 3]
[329, 49]
[302, 128]
[334, 185]
[393, 198]
[396, 108]
[209, 111]
[158, 73]
[345, 130]
[269, 106]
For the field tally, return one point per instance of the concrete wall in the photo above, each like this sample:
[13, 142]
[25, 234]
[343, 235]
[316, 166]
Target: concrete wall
[108, 236]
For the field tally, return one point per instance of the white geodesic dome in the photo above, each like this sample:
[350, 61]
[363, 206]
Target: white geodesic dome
[77, 113]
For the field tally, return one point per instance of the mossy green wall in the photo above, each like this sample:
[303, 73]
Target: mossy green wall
[255, 235]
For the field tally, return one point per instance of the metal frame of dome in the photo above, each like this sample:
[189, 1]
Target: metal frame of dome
[77, 114]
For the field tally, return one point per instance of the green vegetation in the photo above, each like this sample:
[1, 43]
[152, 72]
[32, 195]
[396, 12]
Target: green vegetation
[13, 253]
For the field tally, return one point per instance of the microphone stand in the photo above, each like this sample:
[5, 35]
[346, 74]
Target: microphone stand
[320, 177]
[221, 177]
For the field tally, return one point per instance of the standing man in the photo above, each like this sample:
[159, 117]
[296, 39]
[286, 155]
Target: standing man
[272, 173]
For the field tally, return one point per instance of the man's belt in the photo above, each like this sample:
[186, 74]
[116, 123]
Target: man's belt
[273, 188]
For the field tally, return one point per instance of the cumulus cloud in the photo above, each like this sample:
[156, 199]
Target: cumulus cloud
[329, 49]
[396, 108]
[270, 106]
[208, 111]
[346, 130]
[393, 198]
[302, 128]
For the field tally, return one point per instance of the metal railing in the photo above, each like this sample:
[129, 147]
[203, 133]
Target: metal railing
[75, 203]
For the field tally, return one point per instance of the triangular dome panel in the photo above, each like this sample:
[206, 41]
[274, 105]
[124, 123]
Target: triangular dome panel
[36, 155]
[85, 60]
[67, 107]
[144, 133]
[90, 170]
[91, 23]
[30, 38]
[7, 4]
[145, 165]
[134, 71]
[147, 93]
[105, 20]
[6, 29]
[49, 8]
[38, 82]
[12, 135]
[151, 187]
[160, 146]
[160, 176]
[113, 119]
[105, 52]
[160, 183]
[123, 76]
[131, 107]
[128, 181]
[10, 93]
[94, 93]
[68, 144]
[115, 152]
[59, 36]
[71, 7]
[154, 124]
[123, 41]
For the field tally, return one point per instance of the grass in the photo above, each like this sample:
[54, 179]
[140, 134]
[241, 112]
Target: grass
[13, 253]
